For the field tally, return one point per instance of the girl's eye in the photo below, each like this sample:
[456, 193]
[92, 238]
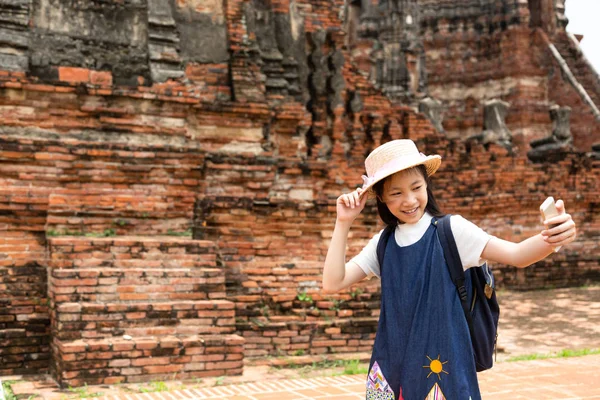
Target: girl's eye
[417, 188]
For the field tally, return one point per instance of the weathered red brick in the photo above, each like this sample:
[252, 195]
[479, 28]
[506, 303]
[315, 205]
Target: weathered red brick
[73, 74]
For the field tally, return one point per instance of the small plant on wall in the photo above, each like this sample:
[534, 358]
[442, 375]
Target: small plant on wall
[305, 299]
[356, 292]
[338, 304]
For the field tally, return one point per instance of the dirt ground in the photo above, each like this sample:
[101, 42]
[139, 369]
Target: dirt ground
[548, 321]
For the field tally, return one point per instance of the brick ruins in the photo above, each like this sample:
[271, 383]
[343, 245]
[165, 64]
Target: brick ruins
[169, 168]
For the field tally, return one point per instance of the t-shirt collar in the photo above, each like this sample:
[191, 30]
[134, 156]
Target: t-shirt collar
[420, 226]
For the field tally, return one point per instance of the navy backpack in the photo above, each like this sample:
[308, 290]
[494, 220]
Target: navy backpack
[476, 291]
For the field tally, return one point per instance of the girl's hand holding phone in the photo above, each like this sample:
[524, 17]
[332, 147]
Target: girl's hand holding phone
[561, 228]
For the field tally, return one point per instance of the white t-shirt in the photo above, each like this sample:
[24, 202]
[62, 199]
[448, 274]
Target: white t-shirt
[470, 241]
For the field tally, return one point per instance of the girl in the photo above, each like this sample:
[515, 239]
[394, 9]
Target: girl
[422, 349]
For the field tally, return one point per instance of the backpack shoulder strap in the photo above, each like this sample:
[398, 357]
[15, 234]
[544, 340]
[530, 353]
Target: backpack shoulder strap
[451, 255]
[455, 267]
[382, 243]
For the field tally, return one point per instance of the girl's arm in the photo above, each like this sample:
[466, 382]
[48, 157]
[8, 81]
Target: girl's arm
[336, 276]
[536, 247]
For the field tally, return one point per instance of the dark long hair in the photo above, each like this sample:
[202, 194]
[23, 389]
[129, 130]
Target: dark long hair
[384, 212]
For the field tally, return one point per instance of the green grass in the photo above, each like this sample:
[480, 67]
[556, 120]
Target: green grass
[177, 233]
[106, 233]
[560, 354]
[354, 367]
[8, 393]
[219, 381]
[82, 392]
[344, 367]
[157, 386]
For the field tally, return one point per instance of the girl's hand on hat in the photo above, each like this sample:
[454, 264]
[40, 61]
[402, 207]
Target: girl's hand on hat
[350, 205]
[561, 229]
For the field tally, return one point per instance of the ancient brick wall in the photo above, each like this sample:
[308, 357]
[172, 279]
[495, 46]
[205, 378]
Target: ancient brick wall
[273, 253]
[477, 53]
[24, 319]
[181, 192]
[561, 92]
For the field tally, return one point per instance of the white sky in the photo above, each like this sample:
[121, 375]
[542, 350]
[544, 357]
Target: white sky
[584, 19]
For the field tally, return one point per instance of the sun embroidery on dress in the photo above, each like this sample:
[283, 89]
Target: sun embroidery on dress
[436, 367]
[435, 393]
[377, 386]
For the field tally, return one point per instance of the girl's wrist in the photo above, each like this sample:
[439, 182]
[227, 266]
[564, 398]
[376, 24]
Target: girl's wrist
[343, 224]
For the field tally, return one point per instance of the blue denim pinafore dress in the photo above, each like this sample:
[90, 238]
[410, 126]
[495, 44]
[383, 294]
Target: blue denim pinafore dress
[422, 349]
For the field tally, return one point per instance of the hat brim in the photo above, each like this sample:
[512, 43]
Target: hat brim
[431, 163]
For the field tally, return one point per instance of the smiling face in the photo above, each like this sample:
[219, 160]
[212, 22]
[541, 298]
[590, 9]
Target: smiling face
[405, 195]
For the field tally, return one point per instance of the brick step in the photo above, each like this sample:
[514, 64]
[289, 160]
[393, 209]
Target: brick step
[34, 319]
[22, 338]
[23, 351]
[144, 359]
[73, 321]
[24, 285]
[21, 249]
[126, 212]
[106, 285]
[346, 335]
[170, 164]
[130, 252]
[23, 317]
[23, 208]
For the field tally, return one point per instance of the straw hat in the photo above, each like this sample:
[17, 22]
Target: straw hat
[396, 156]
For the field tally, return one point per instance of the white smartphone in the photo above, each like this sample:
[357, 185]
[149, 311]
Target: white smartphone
[548, 210]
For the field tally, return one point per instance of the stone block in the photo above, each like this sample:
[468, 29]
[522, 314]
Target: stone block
[142, 368]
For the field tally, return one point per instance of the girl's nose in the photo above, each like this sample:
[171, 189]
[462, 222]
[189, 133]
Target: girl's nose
[407, 199]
